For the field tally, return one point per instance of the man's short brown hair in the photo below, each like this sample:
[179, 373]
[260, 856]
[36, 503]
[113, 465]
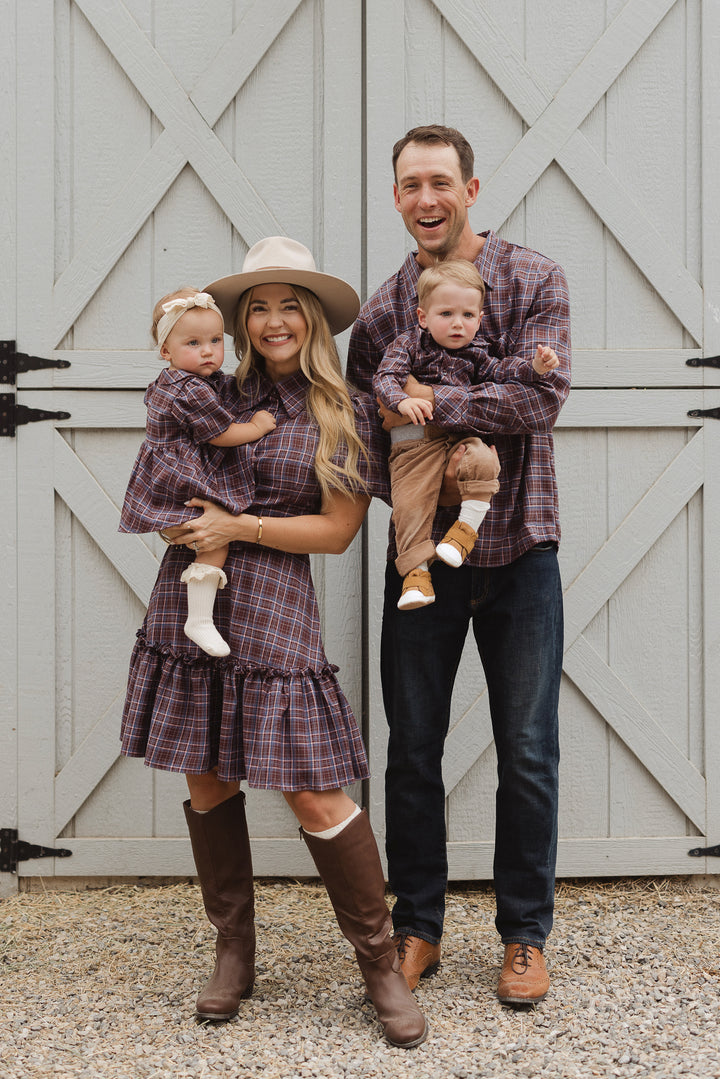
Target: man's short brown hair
[438, 135]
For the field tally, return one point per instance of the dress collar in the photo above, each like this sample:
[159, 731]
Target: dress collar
[291, 392]
[215, 380]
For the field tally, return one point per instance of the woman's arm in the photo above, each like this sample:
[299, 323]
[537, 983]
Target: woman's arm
[329, 532]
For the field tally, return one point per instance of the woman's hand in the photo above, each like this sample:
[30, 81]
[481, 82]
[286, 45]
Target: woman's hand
[213, 528]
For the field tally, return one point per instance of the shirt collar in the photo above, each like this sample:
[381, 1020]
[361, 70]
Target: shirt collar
[291, 392]
[485, 262]
[487, 259]
[176, 375]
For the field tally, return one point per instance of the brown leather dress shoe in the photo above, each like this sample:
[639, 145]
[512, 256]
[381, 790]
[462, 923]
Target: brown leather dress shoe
[418, 959]
[524, 977]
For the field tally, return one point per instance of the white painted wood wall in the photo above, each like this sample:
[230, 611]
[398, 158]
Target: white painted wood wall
[147, 144]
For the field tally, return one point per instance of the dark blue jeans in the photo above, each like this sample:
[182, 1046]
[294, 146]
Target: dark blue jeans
[517, 620]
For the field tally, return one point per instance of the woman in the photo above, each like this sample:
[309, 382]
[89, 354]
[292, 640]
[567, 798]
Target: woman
[272, 712]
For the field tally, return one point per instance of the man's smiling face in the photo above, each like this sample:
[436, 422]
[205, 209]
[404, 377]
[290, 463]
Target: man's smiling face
[433, 198]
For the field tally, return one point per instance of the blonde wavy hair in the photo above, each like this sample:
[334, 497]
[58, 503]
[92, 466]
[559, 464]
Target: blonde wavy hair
[328, 397]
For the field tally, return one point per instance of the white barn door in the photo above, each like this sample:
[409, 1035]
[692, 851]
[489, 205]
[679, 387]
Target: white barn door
[596, 136]
[156, 144]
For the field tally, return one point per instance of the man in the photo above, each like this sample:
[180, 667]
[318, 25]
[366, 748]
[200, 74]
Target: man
[509, 587]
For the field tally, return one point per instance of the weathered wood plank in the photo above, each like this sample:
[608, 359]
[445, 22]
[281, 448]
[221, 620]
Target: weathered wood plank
[710, 58]
[604, 369]
[88, 765]
[654, 596]
[8, 460]
[36, 588]
[711, 626]
[9, 650]
[592, 857]
[240, 55]
[468, 739]
[100, 516]
[126, 212]
[111, 408]
[619, 555]
[637, 728]
[595, 857]
[338, 243]
[635, 408]
[385, 239]
[8, 175]
[111, 369]
[34, 215]
[164, 857]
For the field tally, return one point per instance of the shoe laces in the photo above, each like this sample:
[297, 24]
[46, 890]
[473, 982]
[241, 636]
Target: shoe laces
[521, 960]
[400, 940]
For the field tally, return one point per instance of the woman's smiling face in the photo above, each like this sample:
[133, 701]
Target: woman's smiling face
[277, 328]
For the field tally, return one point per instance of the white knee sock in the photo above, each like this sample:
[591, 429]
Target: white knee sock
[202, 583]
[330, 833]
[472, 512]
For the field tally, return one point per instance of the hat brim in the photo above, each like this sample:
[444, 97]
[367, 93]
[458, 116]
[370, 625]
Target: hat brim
[339, 300]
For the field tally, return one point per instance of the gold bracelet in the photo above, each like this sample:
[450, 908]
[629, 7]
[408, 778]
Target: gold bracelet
[259, 535]
[163, 537]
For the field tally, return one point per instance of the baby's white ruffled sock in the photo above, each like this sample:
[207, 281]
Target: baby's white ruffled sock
[202, 583]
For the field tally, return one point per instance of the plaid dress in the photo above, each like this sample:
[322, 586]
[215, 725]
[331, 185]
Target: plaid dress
[176, 461]
[272, 711]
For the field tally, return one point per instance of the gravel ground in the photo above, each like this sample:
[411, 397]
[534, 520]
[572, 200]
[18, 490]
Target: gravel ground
[102, 984]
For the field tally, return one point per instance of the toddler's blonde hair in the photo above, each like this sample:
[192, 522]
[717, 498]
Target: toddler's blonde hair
[452, 272]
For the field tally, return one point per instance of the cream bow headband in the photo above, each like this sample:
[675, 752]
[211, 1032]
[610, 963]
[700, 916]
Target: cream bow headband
[175, 309]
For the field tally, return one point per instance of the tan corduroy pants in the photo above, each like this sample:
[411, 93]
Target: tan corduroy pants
[417, 468]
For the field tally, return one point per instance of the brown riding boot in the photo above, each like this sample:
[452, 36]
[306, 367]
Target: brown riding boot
[349, 865]
[221, 849]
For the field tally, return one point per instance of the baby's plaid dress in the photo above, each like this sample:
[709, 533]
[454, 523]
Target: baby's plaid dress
[176, 461]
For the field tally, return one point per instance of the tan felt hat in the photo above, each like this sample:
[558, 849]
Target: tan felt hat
[279, 259]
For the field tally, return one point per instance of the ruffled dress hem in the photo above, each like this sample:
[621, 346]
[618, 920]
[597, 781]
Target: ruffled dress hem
[278, 728]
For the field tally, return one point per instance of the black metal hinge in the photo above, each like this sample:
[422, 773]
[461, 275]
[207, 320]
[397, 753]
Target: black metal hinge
[711, 413]
[14, 363]
[13, 415]
[701, 852]
[14, 850]
[703, 361]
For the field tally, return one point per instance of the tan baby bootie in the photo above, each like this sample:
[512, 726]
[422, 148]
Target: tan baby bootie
[417, 590]
[456, 544]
